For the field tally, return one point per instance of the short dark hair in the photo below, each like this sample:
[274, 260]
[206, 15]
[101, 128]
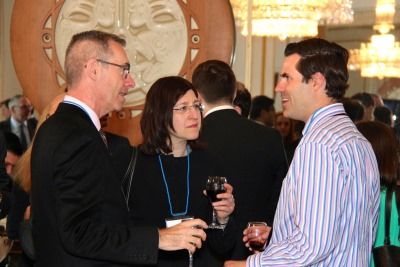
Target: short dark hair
[13, 144]
[328, 58]
[5, 102]
[215, 81]
[98, 47]
[384, 115]
[260, 103]
[243, 100]
[353, 108]
[158, 112]
[366, 99]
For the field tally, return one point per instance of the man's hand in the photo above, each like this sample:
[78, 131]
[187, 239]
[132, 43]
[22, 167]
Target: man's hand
[186, 235]
[248, 235]
[235, 264]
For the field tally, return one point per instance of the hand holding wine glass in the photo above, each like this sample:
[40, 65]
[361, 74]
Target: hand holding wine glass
[256, 235]
[215, 185]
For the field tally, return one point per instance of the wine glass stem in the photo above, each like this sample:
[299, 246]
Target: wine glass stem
[214, 217]
[190, 259]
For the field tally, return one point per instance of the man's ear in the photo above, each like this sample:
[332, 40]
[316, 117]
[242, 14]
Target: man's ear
[92, 69]
[318, 81]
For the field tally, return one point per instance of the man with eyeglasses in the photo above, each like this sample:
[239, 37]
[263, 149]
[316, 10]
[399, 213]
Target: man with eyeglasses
[19, 122]
[79, 212]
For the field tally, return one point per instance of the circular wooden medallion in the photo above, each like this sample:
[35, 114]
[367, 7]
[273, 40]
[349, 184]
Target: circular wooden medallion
[164, 37]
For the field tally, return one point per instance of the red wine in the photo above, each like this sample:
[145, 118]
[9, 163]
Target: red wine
[212, 194]
[255, 245]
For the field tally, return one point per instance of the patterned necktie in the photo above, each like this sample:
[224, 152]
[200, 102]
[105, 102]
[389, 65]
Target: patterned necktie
[103, 136]
[22, 137]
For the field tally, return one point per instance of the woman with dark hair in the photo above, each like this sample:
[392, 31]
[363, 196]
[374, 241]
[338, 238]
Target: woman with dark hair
[290, 136]
[386, 148]
[172, 170]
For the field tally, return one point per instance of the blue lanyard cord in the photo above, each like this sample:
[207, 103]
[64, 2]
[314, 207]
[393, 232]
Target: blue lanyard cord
[187, 185]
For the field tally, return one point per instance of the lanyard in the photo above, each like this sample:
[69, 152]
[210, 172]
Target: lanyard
[167, 188]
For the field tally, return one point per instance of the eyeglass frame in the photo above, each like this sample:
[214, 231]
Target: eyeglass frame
[125, 68]
[183, 109]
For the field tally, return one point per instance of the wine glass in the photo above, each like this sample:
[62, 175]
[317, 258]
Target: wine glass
[215, 186]
[254, 234]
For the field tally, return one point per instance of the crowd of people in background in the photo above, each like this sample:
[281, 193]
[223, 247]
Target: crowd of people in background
[98, 200]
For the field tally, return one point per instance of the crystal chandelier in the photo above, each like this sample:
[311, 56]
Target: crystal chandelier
[290, 18]
[381, 56]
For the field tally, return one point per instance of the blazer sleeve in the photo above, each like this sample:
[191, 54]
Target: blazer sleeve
[81, 181]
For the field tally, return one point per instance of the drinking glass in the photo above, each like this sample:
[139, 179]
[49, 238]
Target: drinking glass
[255, 231]
[215, 186]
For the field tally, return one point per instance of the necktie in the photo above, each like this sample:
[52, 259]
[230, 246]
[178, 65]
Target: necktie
[103, 136]
[22, 137]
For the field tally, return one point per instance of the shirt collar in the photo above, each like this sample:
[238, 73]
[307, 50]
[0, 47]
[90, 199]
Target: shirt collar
[92, 115]
[15, 123]
[323, 113]
[218, 108]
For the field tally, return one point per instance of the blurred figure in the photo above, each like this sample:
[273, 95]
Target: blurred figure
[19, 123]
[368, 103]
[171, 171]
[378, 101]
[354, 109]
[384, 115]
[4, 109]
[386, 149]
[286, 127]
[242, 101]
[262, 110]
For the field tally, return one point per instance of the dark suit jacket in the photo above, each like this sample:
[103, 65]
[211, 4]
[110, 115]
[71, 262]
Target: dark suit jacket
[31, 124]
[255, 163]
[79, 214]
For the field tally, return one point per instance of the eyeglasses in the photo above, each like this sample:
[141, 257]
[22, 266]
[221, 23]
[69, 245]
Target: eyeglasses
[125, 68]
[198, 106]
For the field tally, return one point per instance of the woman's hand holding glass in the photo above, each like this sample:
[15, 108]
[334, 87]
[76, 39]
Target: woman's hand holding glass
[255, 236]
[225, 206]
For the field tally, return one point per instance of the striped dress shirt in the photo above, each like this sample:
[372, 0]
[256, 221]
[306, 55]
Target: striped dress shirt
[328, 208]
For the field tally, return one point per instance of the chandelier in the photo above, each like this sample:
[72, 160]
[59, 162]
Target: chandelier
[380, 57]
[290, 18]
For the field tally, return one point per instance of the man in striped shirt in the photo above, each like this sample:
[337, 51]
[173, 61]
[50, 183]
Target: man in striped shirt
[328, 208]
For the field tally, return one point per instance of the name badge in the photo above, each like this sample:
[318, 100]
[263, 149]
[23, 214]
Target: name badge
[172, 221]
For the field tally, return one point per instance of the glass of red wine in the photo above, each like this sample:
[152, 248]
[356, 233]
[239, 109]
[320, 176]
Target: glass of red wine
[215, 186]
[254, 233]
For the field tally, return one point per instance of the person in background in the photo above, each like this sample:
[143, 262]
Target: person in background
[329, 202]
[286, 127]
[354, 109]
[4, 109]
[242, 101]
[19, 123]
[252, 155]
[80, 215]
[378, 101]
[386, 148]
[262, 110]
[172, 170]
[384, 115]
[5, 179]
[14, 151]
[368, 103]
